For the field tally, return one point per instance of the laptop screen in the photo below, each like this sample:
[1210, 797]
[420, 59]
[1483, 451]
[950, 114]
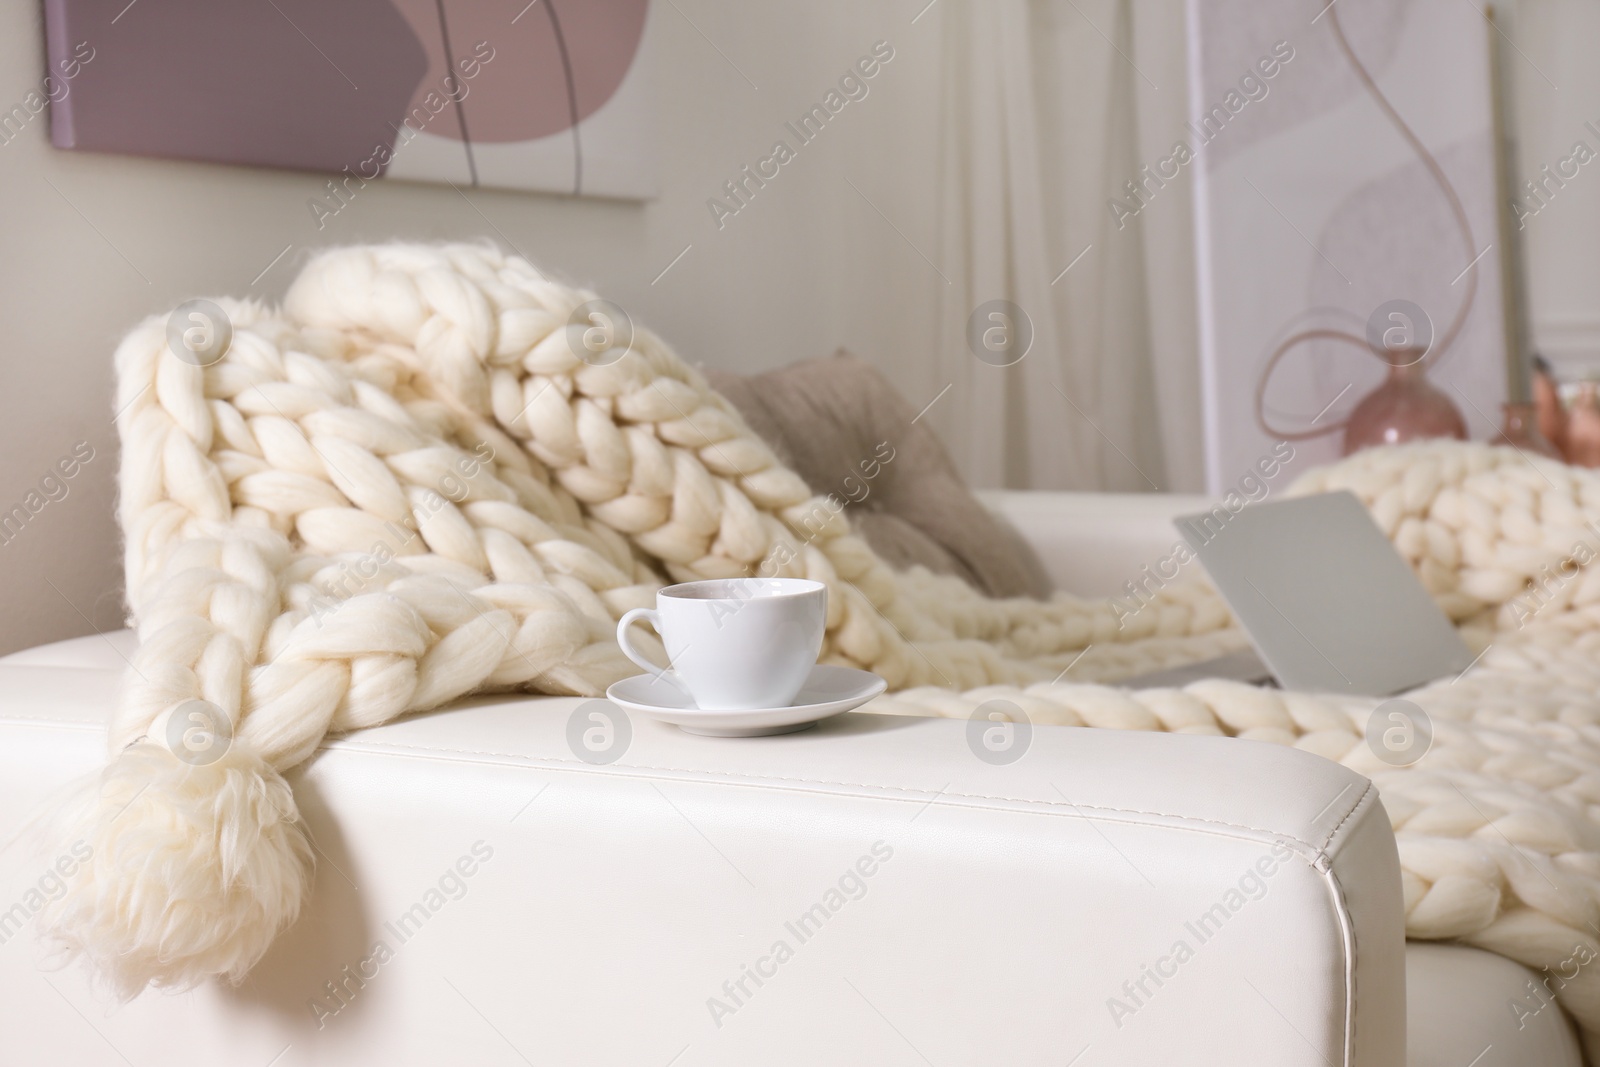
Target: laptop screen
[1326, 600]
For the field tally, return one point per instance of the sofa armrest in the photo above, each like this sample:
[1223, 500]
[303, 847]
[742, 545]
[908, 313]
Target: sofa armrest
[484, 894]
[1091, 543]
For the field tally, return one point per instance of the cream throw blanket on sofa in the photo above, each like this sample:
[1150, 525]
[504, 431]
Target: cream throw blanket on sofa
[406, 486]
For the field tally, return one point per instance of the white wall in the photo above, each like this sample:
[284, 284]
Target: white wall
[93, 243]
[1557, 85]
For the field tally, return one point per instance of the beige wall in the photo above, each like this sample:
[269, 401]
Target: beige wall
[93, 243]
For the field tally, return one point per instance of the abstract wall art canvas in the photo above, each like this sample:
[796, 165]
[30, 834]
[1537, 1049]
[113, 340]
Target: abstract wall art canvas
[548, 95]
[1317, 216]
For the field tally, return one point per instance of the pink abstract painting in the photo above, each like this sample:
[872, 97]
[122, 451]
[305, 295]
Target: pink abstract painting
[1344, 167]
[550, 96]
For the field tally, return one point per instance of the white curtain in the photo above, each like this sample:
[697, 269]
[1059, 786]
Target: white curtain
[1049, 107]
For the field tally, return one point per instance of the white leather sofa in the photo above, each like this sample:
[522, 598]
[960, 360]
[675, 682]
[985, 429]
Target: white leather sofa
[867, 892]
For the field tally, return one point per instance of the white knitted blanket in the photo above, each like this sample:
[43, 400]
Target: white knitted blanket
[405, 485]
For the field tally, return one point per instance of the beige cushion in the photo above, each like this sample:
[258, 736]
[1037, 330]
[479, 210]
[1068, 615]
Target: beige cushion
[841, 426]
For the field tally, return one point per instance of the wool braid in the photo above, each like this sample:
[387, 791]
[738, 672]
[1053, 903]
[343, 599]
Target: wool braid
[406, 485]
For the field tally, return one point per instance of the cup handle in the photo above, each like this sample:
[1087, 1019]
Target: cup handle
[651, 616]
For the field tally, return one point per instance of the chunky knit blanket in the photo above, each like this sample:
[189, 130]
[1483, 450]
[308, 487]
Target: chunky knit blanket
[419, 479]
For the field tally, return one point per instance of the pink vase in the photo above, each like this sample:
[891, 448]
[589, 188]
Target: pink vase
[1583, 428]
[1547, 402]
[1404, 408]
[1522, 431]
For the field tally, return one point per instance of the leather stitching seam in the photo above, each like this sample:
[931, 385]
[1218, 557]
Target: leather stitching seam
[733, 779]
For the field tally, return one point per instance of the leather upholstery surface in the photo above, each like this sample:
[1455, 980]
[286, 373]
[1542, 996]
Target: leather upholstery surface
[1460, 1010]
[1092, 543]
[484, 895]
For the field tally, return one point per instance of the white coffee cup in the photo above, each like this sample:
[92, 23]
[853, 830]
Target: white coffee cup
[736, 643]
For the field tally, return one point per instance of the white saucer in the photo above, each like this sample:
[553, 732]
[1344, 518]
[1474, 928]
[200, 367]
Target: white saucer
[827, 692]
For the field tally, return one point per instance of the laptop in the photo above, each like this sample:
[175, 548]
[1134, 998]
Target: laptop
[1328, 603]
